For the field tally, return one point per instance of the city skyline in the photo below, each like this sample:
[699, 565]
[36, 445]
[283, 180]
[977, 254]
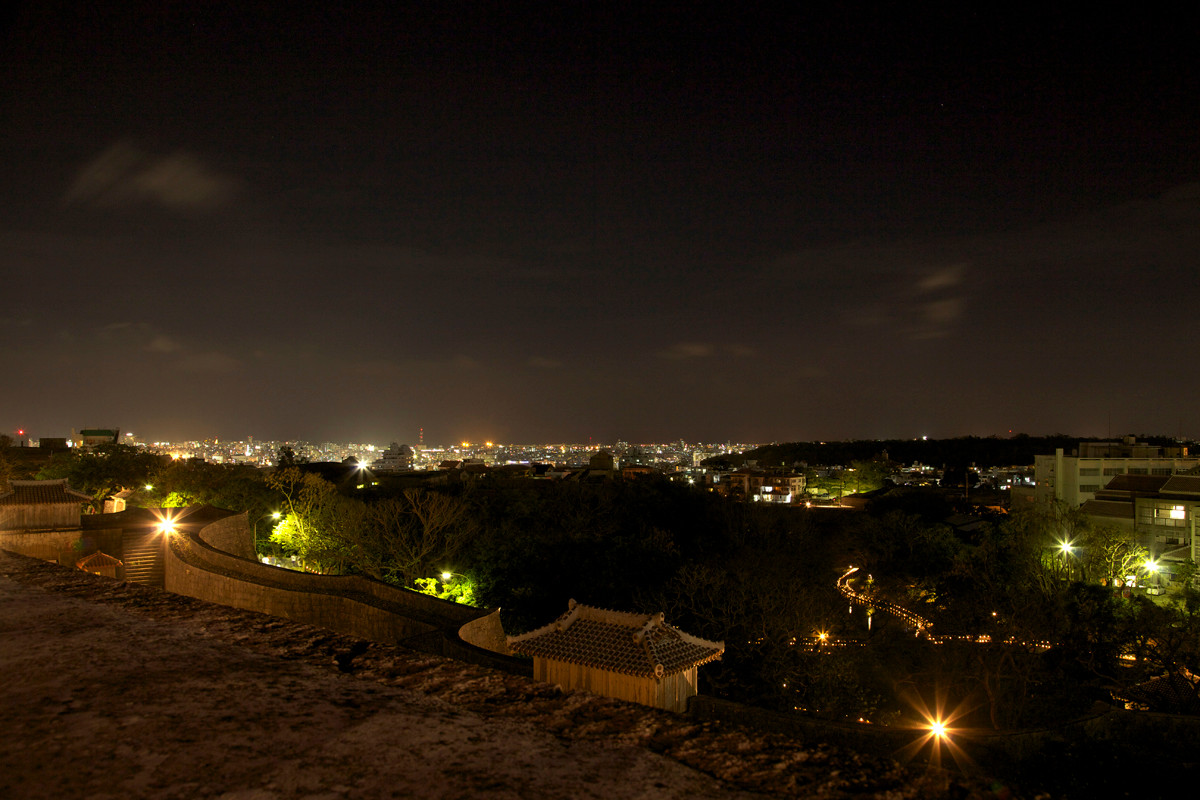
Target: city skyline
[598, 222]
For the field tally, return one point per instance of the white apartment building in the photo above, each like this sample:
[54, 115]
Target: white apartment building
[397, 458]
[1076, 478]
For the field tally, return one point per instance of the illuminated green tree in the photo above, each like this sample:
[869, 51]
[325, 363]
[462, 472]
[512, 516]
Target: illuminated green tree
[317, 522]
[449, 586]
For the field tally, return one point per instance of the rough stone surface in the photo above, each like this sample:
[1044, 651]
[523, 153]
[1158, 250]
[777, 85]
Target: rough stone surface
[111, 689]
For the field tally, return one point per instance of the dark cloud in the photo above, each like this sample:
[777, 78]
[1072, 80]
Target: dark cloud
[125, 176]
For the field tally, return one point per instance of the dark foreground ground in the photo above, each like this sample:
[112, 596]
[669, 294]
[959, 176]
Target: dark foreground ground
[110, 689]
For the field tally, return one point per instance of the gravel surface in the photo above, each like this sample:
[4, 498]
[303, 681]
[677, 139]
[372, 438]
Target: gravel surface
[112, 689]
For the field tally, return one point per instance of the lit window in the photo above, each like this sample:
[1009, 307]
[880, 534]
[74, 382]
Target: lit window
[1176, 512]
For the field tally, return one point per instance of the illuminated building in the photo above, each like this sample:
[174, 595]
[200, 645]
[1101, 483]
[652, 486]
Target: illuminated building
[397, 458]
[1075, 479]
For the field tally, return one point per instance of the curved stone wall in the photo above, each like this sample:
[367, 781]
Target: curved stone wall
[232, 534]
[344, 603]
[486, 632]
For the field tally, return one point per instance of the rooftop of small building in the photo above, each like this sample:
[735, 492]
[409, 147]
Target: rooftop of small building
[641, 645]
[1117, 509]
[97, 560]
[42, 493]
[1182, 484]
[1136, 484]
[1174, 693]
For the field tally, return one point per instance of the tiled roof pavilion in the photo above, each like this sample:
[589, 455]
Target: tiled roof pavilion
[96, 561]
[641, 645]
[40, 493]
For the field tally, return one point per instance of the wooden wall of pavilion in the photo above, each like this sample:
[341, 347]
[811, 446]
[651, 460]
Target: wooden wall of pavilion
[670, 692]
[40, 516]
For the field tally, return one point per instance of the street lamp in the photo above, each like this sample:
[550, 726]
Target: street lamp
[1066, 550]
[272, 515]
[456, 587]
[1151, 567]
[363, 475]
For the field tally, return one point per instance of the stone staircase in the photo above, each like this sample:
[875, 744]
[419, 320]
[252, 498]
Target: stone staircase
[143, 554]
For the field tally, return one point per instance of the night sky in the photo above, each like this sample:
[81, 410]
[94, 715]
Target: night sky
[597, 220]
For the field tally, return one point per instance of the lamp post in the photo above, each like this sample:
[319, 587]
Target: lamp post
[458, 591]
[1066, 548]
[272, 515]
[448, 577]
[1151, 567]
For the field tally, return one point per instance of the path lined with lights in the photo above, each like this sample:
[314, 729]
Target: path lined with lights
[903, 614]
[919, 623]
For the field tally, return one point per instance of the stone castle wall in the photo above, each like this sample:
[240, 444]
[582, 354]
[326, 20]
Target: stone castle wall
[61, 546]
[232, 534]
[345, 603]
[213, 559]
